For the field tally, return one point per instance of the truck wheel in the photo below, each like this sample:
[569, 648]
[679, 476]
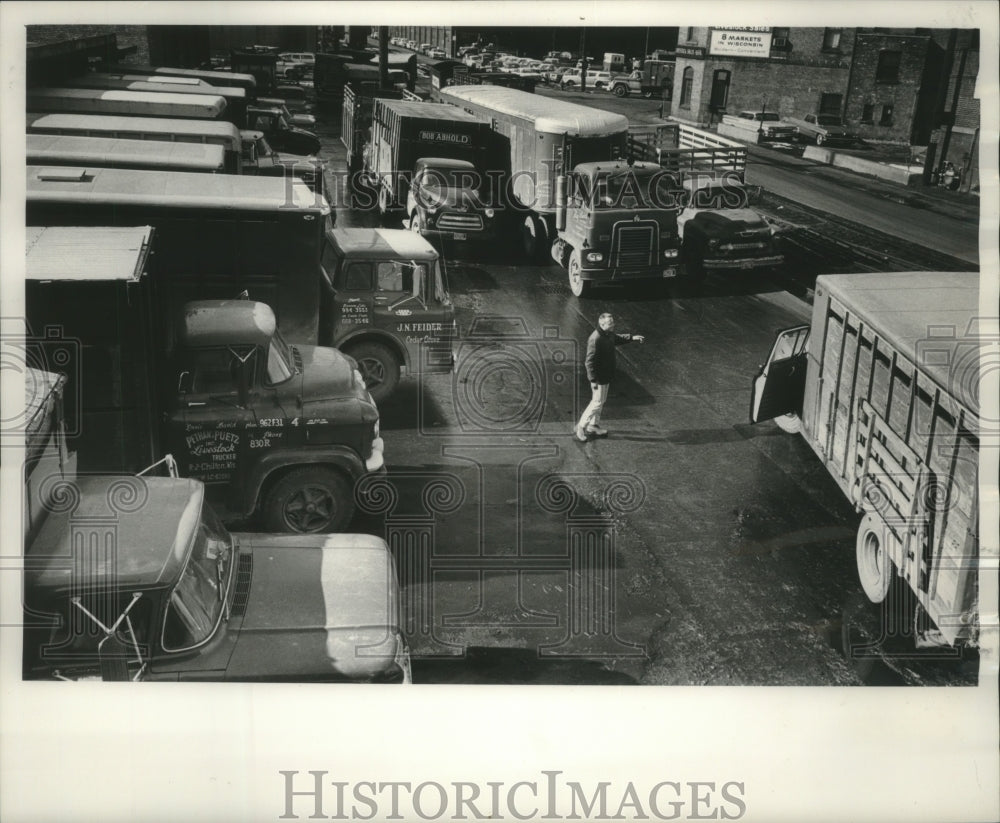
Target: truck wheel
[790, 423]
[621, 91]
[875, 568]
[378, 367]
[415, 225]
[819, 139]
[577, 284]
[533, 238]
[309, 500]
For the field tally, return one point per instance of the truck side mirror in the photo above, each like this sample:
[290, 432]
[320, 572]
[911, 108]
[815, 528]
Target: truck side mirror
[184, 382]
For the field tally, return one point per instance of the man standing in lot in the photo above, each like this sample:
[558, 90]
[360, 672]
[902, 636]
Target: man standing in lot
[600, 363]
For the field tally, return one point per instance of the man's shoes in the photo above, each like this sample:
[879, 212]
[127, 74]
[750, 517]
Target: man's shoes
[581, 435]
[597, 431]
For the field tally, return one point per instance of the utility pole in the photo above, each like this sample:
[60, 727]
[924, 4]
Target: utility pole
[584, 65]
[383, 57]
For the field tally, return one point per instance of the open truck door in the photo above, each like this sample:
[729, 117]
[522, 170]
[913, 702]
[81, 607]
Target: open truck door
[779, 387]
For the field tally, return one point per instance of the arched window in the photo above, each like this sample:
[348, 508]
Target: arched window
[687, 81]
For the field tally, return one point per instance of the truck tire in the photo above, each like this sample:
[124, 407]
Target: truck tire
[415, 224]
[875, 567]
[309, 500]
[620, 90]
[819, 139]
[379, 368]
[534, 238]
[577, 284]
[789, 423]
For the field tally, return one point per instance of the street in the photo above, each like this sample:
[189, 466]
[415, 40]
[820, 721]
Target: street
[687, 547]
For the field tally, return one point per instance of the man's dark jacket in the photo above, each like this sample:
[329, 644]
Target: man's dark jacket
[601, 355]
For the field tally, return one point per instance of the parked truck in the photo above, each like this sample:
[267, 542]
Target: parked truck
[356, 120]
[884, 386]
[223, 234]
[572, 193]
[654, 79]
[717, 226]
[277, 431]
[174, 596]
[434, 162]
[131, 103]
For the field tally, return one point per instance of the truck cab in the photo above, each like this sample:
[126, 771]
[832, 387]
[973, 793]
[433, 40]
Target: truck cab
[243, 401]
[719, 230]
[280, 132]
[301, 119]
[613, 227]
[176, 597]
[386, 304]
[259, 158]
[447, 198]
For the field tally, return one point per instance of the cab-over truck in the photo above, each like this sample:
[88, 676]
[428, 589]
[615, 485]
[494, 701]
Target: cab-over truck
[884, 385]
[173, 595]
[563, 157]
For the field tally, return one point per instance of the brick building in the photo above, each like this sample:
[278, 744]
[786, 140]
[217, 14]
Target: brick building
[792, 71]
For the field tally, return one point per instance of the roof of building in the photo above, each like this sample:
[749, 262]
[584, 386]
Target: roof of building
[549, 115]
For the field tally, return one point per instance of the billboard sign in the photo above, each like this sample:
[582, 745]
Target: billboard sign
[744, 42]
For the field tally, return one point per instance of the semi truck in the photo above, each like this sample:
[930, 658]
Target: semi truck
[172, 595]
[219, 235]
[561, 157]
[132, 103]
[246, 151]
[883, 384]
[434, 163]
[111, 152]
[216, 78]
[277, 431]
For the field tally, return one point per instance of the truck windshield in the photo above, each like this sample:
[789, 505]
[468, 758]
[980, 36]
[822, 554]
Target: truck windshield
[629, 188]
[196, 603]
[279, 360]
[721, 197]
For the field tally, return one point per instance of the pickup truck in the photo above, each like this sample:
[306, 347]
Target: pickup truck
[596, 79]
[822, 128]
[177, 597]
[719, 230]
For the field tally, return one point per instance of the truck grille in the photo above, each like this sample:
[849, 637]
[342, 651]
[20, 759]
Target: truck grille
[454, 221]
[633, 244]
[244, 574]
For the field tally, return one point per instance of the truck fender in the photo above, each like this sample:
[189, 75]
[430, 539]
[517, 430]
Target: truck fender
[375, 336]
[246, 495]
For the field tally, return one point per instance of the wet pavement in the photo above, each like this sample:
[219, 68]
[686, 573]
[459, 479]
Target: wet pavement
[686, 548]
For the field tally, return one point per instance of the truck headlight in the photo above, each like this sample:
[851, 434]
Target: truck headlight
[713, 244]
[670, 254]
[594, 257]
[489, 212]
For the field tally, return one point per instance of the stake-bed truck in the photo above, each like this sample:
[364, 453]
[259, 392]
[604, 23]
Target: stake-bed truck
[277, 430]
[598, 241]
[884, 386]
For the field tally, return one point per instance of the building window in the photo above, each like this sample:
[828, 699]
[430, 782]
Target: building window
[687, 81]
[830, 103]
[888, 67]
[868, 114]
[690, 35]
[720, 91]
[886, 118]
[779, 38]
[831, 39]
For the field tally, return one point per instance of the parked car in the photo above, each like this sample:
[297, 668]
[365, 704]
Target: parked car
[596, 79]
[437, 53]
[525, 71]
[298, 57]
[553, 74]
[769, 125]
[822, 128]
[425, 47]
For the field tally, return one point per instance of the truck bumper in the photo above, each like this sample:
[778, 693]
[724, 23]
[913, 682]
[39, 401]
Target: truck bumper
[666, 271]
[743, 262]
[376, 462]
[487, 234]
